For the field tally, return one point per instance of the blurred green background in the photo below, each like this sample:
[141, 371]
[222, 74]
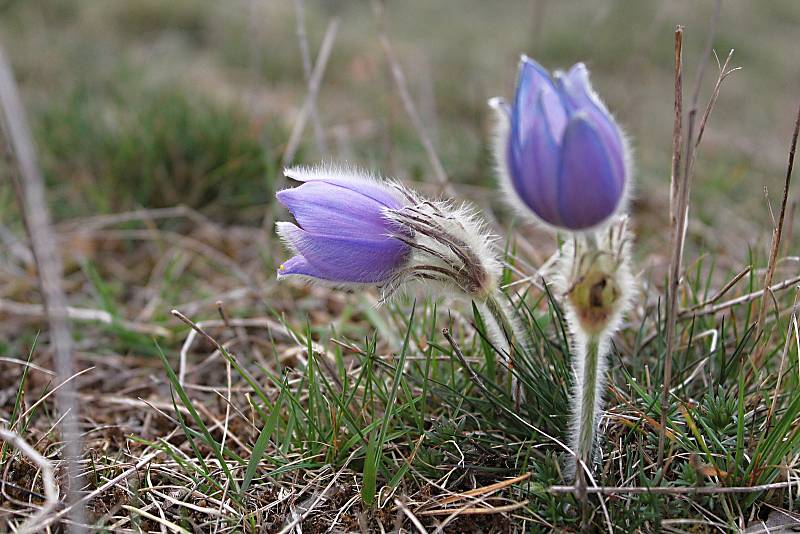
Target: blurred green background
[153, 103]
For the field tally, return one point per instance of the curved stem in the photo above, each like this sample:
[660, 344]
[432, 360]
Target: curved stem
[508, 335]
[503, 315]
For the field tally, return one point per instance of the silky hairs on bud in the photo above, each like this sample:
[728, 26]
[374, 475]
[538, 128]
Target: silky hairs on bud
[452, 249]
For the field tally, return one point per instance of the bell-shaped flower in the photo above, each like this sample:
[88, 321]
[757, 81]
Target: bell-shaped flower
[344, 237]
[559, 151]
[353, 229]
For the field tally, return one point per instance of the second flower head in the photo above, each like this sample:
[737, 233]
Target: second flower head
[560, 153]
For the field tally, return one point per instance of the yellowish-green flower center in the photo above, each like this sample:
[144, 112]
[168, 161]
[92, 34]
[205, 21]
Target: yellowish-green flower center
[594, 297]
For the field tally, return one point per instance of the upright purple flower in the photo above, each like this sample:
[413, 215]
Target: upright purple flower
[343, 237]
[560, 152]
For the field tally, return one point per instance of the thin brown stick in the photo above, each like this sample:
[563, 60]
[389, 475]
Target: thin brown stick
[719, 294]
[401, 84]
[96, 222]
[677, 123]
[460, 355]
[314, 84]
[484, 490]
[740, 300]
[668, 490]
[775, 246]
[674, 270]
[708, 49]
[787, 343]
[692, 143]
[680, 206]
[305, 55]
[24, 309]
[408, 103]
[31, 190]
[724, 72]
[722, 306]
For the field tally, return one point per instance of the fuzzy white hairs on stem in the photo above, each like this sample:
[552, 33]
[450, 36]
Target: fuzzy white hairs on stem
[594, 277]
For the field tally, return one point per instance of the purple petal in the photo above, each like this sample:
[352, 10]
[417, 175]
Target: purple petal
[534, 165]
[589, 188]
[578, 88]
[579, 92]
[342, 259]
[534, 84]
[352, 180]
[297, 265]
[328, 209]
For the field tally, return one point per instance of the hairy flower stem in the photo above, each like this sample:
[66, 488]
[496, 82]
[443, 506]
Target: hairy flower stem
[597, 287]
[590, 398]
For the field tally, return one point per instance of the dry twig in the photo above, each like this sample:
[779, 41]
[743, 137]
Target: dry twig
[314, 83]
[724, 305]
[671, 490]
[408, 104]
[305, 55]
[776, 244]
[32, 198]
[787, 343]
[679, 194]
[718, 295]
[84, 315]
[676, 212]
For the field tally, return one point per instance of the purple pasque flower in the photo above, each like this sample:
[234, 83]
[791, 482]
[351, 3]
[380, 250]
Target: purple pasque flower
[559, 149]
[342, 236]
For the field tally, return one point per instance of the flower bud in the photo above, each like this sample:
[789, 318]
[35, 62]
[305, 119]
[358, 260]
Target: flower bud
[343, 237]
[560, 153]
[355, 230]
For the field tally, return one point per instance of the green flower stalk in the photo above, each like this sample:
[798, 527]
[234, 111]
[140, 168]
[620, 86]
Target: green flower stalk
[506, 333]
[595, 280]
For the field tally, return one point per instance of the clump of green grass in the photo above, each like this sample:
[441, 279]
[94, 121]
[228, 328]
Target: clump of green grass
[430, 414]
[154, 148]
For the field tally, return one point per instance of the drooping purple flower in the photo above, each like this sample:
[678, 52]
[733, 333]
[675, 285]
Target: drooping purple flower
[343, 237]
[562, 154]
